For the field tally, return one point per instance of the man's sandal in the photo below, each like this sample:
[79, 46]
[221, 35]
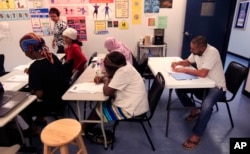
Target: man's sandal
[189, 145]
[191, 117]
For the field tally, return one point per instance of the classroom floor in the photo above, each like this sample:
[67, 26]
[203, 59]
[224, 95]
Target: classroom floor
[130, 137]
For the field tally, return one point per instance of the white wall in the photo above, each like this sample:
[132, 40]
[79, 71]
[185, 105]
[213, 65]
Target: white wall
[239, 38]
[173, 35]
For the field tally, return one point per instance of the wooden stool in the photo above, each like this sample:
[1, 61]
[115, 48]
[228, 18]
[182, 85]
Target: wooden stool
[60, 133]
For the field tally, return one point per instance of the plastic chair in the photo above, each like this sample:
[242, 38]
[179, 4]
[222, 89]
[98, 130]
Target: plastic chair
[154, 95]
[94, 54]
[2, 69]
[142, 68]
[143, 64]
[235, 74]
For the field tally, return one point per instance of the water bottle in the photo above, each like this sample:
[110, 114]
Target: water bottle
[98, 69]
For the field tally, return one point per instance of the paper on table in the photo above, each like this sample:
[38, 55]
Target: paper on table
[183, 76]
[10, 85]
[87, 87]
[21, 67]
[22, 78]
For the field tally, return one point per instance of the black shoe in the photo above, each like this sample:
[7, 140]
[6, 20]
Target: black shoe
[95, 136]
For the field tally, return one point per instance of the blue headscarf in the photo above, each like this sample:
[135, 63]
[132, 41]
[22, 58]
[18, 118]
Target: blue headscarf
[34, 43]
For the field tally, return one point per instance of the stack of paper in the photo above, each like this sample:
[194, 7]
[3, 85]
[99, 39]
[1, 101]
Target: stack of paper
[87, 87]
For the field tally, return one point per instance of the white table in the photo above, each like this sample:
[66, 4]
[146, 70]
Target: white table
[163, 65]
[87, 76]
[13, 114]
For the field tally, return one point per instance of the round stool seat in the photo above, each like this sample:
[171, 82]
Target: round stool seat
[60, 132]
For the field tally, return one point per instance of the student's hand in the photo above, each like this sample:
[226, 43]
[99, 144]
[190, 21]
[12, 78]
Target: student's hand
[97, 79]
[53, 44]
[26, 70]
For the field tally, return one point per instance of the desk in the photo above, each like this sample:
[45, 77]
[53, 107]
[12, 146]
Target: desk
[162, 49]
[163, 65]
[87, 76]
[13, 114]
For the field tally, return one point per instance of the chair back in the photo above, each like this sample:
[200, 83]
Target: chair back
[235, 75]
[143, 64]
[2, 70]
[91, 57]
[74, 77]
[155, 93]
[66, 73]
[135, 62]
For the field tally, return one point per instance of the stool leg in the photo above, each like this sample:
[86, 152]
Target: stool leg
[64, 149]
[81, 145]
[46, 149]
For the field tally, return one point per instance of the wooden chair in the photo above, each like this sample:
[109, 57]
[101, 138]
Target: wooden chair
[60, 133]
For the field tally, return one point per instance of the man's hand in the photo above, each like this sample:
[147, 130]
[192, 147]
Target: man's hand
[180, 69]
[174, 64]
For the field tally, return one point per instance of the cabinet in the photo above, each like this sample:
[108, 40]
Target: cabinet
[156, 50]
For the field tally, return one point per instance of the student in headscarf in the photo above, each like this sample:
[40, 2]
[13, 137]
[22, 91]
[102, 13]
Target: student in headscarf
[112, 45]
[125, 85]
[73, 49]
[44, 79]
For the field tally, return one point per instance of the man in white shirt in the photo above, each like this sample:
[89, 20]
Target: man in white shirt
[208, 62]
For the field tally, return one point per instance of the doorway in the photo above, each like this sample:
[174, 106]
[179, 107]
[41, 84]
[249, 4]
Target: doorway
[210, 18]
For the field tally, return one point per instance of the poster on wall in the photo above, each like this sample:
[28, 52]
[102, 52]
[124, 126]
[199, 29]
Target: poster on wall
[121, 8]
[242, 15]
[151, 6]
[79, 24]
[166, 3]
[136, 11]
[13, 4]
[40, 21]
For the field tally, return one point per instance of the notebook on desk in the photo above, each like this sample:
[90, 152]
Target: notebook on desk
[10, 99]
[183, 76]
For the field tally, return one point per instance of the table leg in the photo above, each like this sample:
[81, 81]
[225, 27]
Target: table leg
[20, 131]
[168, 108]
[79, 111]
[102, 127]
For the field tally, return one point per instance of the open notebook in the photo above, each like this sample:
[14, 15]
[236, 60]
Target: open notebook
[183, 76]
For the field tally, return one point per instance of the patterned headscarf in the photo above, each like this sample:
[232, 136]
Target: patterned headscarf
[34, 43]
